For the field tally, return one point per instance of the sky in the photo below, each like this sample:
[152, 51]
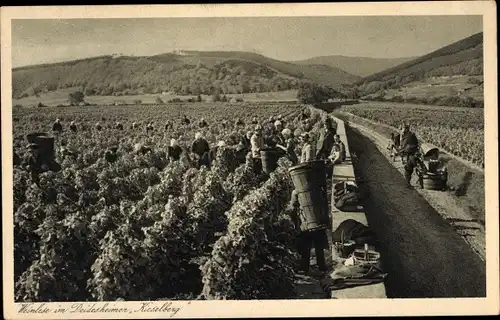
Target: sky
[37, 41]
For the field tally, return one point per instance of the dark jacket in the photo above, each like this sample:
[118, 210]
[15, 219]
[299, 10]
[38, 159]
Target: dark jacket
[325, 144]
[246, 142]
[38, 165]
[73, 127]
[200, 147]
[174, 153]
[409, 143]
[57, 127]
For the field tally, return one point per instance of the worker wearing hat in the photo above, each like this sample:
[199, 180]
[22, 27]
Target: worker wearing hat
[326, 139]
[409, 148]
[257, 144]
[35, 162]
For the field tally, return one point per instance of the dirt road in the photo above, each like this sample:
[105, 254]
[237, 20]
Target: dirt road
[423, 254]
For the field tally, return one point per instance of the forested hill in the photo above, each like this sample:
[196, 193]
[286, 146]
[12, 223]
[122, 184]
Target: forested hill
[464, 57]
[359, 66]
[190, 72]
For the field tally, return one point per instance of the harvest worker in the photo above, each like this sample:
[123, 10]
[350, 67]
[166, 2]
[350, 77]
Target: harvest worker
[185, 120]
[168, 124]
[409, 149]
[111, 154]
[326, 140]
[245, 140]
[338, 151]
[202, 123]
[119, 126]
[254, 120]
[241, 153]
[307, 149]
[174, 151]
[257, 144]
[33, 161]
[394, 144]
[98, 126]
[212, 155]
[276, 135]
[57, 126]
[72, 126]
[308, 238]
[289, 146]
[36, 163]
[201, 148]
[278, 127]
[150, 127]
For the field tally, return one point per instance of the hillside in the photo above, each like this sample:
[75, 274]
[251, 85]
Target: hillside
[453, 72]
[359, 66]
[186, 73]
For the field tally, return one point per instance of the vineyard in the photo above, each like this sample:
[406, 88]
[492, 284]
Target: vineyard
[145, 228]
[457, 130]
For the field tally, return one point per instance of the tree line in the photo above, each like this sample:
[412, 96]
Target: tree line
[141, 76]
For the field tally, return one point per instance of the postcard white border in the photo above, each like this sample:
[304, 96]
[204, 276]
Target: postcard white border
[280, 308]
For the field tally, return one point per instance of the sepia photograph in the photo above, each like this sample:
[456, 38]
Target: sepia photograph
[153, 162]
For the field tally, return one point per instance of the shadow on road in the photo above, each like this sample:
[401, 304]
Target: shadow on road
[422, 253]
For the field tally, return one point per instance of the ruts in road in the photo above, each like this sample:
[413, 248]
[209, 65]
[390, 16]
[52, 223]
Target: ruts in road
[422, 254]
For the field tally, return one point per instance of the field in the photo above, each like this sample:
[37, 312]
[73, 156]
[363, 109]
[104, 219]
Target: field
[440, 87]
[144, 228]
[54, 98]
[459, 131]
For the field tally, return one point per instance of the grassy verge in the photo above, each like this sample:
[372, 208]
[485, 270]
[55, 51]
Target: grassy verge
[465, 184]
